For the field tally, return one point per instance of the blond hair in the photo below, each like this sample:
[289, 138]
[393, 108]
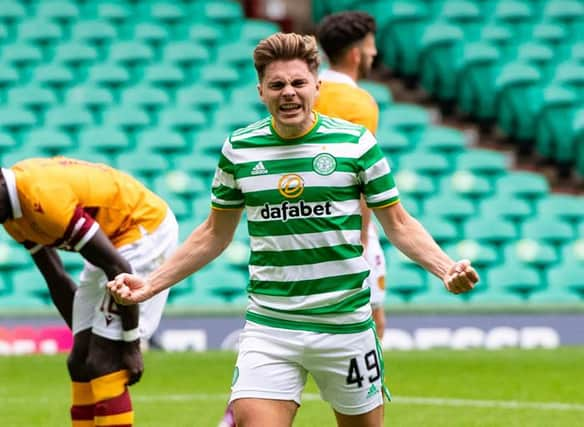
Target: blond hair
[286, 46]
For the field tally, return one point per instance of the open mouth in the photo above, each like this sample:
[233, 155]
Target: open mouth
[290, 108]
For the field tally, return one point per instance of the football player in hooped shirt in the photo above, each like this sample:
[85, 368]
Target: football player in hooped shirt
[117, 225]
[308, 309]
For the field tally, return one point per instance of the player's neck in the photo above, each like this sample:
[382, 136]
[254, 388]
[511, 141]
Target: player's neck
[346, 69]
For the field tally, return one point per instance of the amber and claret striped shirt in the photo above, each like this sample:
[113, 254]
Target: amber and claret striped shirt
[62, 202]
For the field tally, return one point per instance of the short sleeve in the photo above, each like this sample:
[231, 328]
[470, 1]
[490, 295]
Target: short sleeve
[225, 193]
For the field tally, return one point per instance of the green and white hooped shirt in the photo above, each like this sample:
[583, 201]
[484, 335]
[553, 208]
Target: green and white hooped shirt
[301, 198]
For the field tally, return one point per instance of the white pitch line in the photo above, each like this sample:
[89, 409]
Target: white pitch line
[397, 400]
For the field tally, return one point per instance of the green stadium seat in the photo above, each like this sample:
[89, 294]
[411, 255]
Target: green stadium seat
[7, 142]
[206, 34]
[222, 12]
[16, 119]
[109, 140]
[551, 230]
[553, 127]
[160, 140]
[89, 155]
[490, 229]
[501, 37]
[450, 206]
[467, 184]
[574, 252]
[480, 254]
[8, 76]
[550, 34]
[39, 32]
[432, 164]
[464, 14]
[437, 296]
[219, 75]
[440, 47]
[570, 74]
[555, 297]
[506, 206]
[55, 76]
[252, 31]
[197, 298]
[145, 96]
[517, 15]
[401, 35]
[522, 184]
[540, 56]
[565, 207]
[17, 301]
[514, 277]
[128, 117]
[414, 185]
[96, 99]
[131, 54]
[51, 141]
[62, 12]
[495, 298]
[238, 54]
[20, 153]
[442, 139]
[32, 97]
[11, 12]
[380, 92]
[75, 54]
[442, 229]
[13, 257]
[409, 119]
[392, 143]
[167, 76]
[483, 162]
[112, 76]
[179, 183]
[405, 281]
[169, 14]
[95, 32]
[201, 209]
[477, 71]
[531, 252]
[577, 52]
[222, 281]
[187, 55]
[232, 117]
[144, 165]
[517, 98]
[246, 96]
[200, 97]
[184, 121]
[21, 54]
[115, 13]
[152, 34]
[567, 276]
[199, 164]
[569, 13]
[209, 141]
[70, 118]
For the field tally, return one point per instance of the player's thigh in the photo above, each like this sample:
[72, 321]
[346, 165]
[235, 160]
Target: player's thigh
[348, 371]
[264, 412]
[268, 365]
[373, 418]
[105, 356]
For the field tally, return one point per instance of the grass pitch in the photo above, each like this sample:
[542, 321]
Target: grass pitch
[511, 388]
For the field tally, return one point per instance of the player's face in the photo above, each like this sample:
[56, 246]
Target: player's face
[368, 53]
[289, 89]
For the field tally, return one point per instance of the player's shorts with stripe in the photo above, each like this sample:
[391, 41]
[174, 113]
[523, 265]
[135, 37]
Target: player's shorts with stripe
[273, 364]
[93, 307]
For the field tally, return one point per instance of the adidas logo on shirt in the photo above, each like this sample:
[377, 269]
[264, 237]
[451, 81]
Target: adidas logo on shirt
[259, 169]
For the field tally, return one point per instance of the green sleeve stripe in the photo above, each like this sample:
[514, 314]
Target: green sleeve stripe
[379, 185]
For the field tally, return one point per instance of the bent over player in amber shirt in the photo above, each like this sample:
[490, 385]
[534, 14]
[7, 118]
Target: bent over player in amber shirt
[117, 225]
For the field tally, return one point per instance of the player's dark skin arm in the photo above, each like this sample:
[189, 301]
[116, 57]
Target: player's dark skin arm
[61, 287]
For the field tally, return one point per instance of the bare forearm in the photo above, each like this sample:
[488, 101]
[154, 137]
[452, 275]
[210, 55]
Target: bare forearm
[417, 244]
[200, 248]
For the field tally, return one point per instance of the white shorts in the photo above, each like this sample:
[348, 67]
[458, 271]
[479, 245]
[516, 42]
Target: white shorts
[273, 363]
[94, 308]
[376, 280]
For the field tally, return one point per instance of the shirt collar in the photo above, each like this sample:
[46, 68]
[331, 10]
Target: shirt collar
[10, 180]
[337, 77]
